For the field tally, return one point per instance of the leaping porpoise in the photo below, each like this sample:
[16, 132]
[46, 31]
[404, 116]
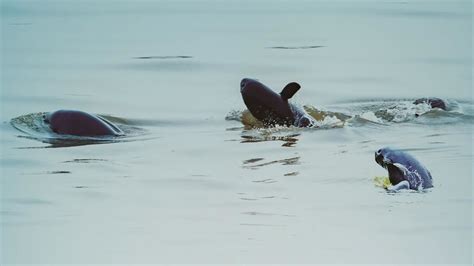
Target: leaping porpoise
[80, 123]
[404, 171]
[272, 108]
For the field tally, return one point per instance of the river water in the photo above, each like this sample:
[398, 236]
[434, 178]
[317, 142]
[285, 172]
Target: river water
[189, 183]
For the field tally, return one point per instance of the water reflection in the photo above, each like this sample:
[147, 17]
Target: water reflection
[265, 181]
[264, 225]
[289, 140]
[256, 213]
[164, 57]
[64, 143]
[253, 160]
[85, 161]
[296, 47]
[287, 161]
[291, 174]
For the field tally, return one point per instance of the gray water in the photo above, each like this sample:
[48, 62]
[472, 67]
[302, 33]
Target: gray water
[189, 183]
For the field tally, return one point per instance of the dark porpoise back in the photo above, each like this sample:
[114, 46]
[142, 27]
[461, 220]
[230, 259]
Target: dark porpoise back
[80, 123]
[268, 106]
[433, 102]
[402, 166]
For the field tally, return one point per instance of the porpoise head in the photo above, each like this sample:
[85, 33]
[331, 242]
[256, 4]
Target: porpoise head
[383, 157]
[47, 118]
[380, 157]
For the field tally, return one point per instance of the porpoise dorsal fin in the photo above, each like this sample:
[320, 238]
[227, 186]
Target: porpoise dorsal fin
[289, 90]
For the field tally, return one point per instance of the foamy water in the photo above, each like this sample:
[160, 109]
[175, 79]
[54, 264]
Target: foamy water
[194, 179]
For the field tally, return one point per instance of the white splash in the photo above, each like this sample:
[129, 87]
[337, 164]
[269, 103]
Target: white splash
[370, 116]
[406, 111]
[329, 122]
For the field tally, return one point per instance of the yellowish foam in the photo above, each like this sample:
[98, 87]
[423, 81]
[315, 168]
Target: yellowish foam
[249, 120]
[320, 115]
[382, 181]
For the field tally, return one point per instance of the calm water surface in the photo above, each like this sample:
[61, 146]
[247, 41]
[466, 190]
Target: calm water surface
[188, 185]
